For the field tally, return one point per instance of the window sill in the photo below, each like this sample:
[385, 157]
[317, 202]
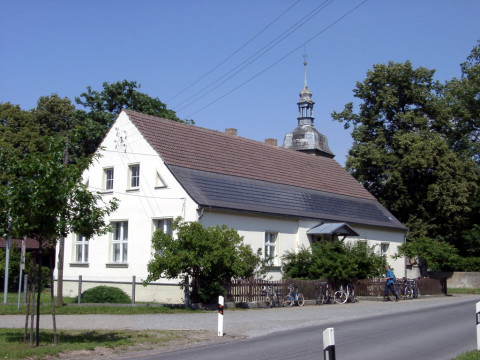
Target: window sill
[133, 189]
[275, 268]
[77, 264]
[106, 192]
[116, 265]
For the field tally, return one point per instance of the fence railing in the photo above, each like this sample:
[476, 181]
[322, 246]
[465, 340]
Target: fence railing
[251, 290]
[161, 293]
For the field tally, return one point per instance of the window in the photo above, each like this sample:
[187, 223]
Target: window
[120, 242]
[108, 175]
[81, 249]
[271, 247]
[159, 182]
[163, 224]
[134, 176]
[384, 249]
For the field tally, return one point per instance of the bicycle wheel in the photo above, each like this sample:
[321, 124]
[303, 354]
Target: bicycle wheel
[340, 297]
[328, 297]
[416, 293]
[352, 296]
[269, 301]
[300, 300]
[409, 293]
[321, 299]
[287, 301]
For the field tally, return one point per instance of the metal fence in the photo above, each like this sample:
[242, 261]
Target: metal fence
[158, 293]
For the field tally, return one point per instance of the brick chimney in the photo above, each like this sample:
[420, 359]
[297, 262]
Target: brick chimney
[271, 141]
[231, 131]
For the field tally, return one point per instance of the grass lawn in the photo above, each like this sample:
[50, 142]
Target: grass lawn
[71, 308]
[463, 291]
[13, 346]
[471, 355]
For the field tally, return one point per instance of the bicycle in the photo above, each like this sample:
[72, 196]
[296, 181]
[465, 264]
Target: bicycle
[271, 298]
[408, 289]
[293, 297]
[415, 290]
[324, 293]
[345, 294]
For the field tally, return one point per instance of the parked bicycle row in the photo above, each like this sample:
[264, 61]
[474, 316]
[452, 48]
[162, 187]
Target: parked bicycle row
[325, 293]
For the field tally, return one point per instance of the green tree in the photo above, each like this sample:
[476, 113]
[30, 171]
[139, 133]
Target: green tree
[336, 261]
[102, 107]
[433, 255]
[211, 256]
[45, 199]
[462, 95]
[401, 151]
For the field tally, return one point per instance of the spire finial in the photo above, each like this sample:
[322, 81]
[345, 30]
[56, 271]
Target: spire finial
[305, 67]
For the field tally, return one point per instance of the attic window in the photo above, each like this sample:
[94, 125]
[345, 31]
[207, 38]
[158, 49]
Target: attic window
[134, 176]
[159, 182]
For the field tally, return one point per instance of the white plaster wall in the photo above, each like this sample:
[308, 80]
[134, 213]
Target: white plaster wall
[138, 207]
[253, 229]
[292, 235]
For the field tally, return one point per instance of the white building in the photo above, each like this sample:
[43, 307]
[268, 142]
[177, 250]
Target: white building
[277, 198]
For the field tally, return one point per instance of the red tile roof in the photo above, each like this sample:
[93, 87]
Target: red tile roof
[202, 149]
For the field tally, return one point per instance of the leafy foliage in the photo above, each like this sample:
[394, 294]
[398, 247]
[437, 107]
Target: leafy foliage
[336, 261]
[105, 295]
[212, 256]
[102, 108]
[435, 255]
[14, 269]
[406, 150]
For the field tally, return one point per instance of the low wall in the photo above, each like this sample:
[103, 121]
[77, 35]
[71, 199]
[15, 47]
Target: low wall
[459, 280]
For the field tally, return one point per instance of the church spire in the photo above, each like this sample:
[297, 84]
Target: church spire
[305, 104]
[305, 137]
[305, 69]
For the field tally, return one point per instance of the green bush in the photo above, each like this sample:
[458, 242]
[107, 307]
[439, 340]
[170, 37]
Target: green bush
[105, 294]
[14, 270]
[336, 261]
[470, 264]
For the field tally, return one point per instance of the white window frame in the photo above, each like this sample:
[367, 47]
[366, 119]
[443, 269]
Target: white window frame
[120, 242]
[164, 224]
[108, 182]
[81, 249]
[134, 176]
[270, 247]
[384, 252]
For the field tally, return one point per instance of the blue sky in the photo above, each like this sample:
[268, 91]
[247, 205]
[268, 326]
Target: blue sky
[177, 49]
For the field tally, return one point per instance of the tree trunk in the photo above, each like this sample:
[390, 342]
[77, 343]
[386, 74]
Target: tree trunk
[32, 316]
[52, 297]
[39, 293]
[29, 299]
[61, 252]
[61, 247]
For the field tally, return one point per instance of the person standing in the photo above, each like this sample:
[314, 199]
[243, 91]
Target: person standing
[389, 284]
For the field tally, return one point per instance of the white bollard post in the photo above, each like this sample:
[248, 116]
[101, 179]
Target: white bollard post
[220, 316]
[328, 344]
[477, 320]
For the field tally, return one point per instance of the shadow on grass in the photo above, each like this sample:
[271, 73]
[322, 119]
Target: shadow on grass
[72, 337]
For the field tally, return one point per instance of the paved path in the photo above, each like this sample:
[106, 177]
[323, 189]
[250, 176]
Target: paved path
[251, 323]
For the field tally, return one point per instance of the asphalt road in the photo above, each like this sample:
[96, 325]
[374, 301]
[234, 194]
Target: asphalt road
[437, 333]
[427, 328]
